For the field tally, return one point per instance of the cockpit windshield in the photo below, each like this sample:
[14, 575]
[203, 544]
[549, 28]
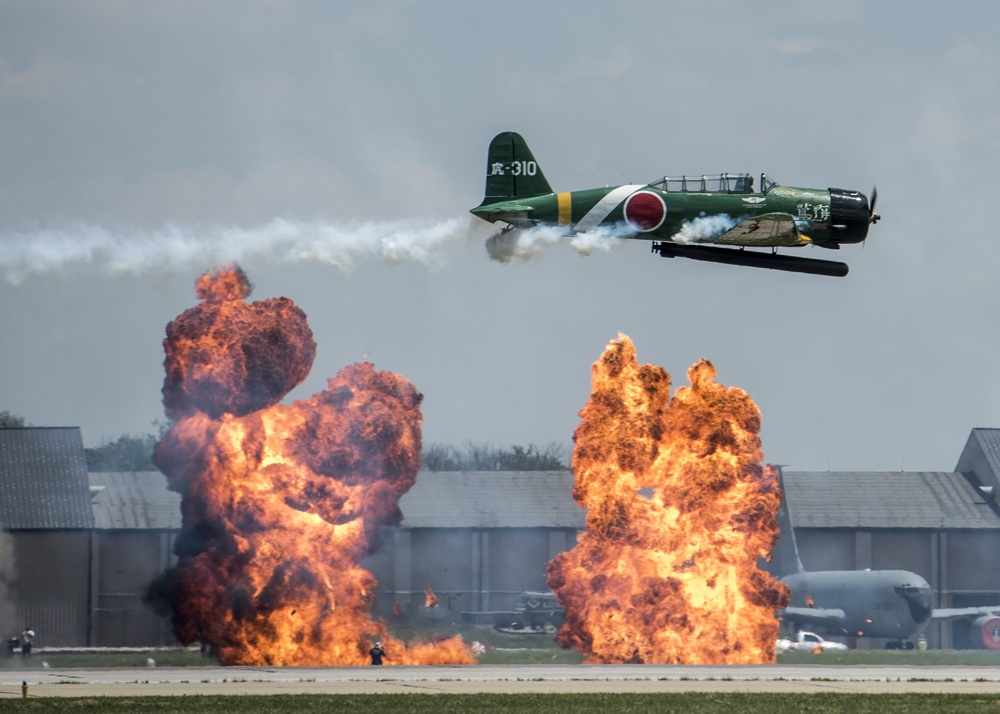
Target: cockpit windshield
[715, 183]
[766, 184]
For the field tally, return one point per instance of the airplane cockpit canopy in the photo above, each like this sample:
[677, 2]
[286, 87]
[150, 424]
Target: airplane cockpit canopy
[715, 183]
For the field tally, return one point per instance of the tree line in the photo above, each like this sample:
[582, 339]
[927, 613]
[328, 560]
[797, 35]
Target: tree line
[134, 452]
[486, 457]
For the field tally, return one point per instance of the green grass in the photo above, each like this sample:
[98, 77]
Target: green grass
[504, 649]
[906, 657]
[178, 658]
[689, 703]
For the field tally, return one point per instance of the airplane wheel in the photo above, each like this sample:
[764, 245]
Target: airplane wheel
[908, 645]
[892, 645]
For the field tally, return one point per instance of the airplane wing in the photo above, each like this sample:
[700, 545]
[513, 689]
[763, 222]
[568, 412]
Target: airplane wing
[955, 613]
[770, 229]
[814, 617]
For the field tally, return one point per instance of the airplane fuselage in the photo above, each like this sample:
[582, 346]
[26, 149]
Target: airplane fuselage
[826, 217]
[895, 604]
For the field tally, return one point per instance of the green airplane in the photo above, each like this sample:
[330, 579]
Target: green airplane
[684, 216]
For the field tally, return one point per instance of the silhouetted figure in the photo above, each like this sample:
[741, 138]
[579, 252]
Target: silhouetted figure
[27, 637]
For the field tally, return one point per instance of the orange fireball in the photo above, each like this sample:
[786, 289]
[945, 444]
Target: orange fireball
[679, 509]
[280, 503]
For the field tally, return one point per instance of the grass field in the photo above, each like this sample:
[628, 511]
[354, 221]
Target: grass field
[501, 649]
[689, 703]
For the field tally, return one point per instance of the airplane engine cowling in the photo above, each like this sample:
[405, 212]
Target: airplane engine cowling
[849, 215]
[989, 629]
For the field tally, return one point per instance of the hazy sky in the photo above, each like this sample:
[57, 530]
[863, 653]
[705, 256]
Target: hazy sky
[334, 149]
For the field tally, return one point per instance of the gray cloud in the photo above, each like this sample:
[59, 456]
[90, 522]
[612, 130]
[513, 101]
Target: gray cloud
[139, 120]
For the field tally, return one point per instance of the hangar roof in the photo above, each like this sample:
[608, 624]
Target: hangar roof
[893, 499]
[492, 499]
[134, 500]
[981, 457]
[43, 479]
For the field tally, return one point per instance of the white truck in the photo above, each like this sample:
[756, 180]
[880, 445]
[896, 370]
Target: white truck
[808, 642]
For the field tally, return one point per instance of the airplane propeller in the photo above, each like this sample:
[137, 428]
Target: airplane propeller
[873, 217]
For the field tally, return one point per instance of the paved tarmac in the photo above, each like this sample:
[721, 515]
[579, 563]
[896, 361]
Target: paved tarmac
[496, 678]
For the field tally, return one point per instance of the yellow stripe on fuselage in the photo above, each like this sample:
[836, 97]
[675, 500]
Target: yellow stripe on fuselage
[565, 208]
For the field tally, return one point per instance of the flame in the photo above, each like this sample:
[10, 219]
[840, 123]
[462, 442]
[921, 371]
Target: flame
[678, 511]
[430, 599]
[280, 503]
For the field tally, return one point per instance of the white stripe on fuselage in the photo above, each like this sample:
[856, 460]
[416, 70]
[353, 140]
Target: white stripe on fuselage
[606, 205]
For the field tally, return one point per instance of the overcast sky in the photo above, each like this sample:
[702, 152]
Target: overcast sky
[334, 150]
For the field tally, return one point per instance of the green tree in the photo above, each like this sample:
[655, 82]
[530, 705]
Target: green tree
[11, 421]
[485, 457]
[129, 452]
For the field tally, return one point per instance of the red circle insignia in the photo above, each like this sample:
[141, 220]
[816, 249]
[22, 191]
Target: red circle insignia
[645, 211]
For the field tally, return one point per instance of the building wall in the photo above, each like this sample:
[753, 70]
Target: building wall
[470, 570]
[127, 562]
[50, 591]
[826, 548]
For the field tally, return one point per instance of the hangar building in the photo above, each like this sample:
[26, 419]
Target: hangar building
[80, 549]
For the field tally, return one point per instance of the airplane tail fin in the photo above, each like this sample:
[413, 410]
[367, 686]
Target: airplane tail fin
[785, 556]
[511, 170]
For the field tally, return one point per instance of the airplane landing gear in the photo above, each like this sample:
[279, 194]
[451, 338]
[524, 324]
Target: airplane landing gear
[899, 645]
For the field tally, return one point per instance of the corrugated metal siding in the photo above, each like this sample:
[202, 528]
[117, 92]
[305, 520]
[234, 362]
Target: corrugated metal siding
[51, 589]
[902, 550]
[443, 559]
[43, 479]
[128, 562]
[826, 549]
[57, 621]
[517, 561]
[972, 561]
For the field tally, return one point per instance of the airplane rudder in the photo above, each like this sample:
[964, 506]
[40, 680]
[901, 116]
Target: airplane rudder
[512, 171]
[529, 179]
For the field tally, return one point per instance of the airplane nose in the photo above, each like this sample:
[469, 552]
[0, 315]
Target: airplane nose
[849, 215]
[918, 598]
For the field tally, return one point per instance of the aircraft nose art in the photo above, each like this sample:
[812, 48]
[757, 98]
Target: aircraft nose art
[645, 211]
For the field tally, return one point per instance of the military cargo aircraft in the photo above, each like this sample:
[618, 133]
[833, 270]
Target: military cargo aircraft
[684, 216]
[895, 604]
[892, 604]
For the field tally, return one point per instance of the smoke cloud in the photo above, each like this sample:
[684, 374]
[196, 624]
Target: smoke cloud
[705, 229]
[525, 244]
[174, 247]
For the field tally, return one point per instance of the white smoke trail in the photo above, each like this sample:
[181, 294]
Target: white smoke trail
[704, 229]
[174, 247]
[526, 243]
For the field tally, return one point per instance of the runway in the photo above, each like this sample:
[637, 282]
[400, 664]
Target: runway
[496, 678]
